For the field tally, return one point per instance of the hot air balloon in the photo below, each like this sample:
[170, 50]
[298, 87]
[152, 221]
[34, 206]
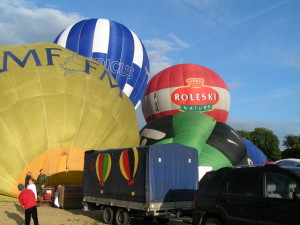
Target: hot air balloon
[128, 164]
[217, 143]
[103, 167]
[256, 155]
[116, 47]
[186, 87]
[55, 105]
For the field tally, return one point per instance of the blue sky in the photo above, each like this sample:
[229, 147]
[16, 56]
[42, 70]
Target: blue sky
[254, 45]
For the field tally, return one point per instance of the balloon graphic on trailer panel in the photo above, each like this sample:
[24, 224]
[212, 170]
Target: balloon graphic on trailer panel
[103, 167]
[116, 47]
[183, 88]
[55, 105]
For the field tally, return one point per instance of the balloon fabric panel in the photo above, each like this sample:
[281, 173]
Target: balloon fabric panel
[139, 90]
[182, 72]
[115, 49]
[228, 142]
[161, 128]
[210, 156]
[165, 141]
[55, 105]
[142, 82]
[85, 41]
[192, 129]
[256, 155]
[75, 32]
[161, 102]
[101, 32]
[117, 52]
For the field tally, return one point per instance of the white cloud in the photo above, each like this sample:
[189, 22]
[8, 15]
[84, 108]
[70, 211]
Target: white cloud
[160, 44]
[159, 49]
[207, 11]
[234, 85]
[158, 62]
[24, 23]
[178, 41]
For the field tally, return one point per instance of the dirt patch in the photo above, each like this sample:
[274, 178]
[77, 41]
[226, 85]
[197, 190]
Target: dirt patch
[12, 213]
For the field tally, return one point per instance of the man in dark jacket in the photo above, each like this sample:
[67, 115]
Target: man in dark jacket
[28, 201]
[41, 182]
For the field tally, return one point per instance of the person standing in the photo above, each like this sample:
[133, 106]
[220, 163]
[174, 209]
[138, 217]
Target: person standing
[28, 176]
[28, 201]
[41, 182]
[32, 187]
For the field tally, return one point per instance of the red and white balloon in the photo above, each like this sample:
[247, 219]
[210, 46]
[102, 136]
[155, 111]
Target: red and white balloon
[186, 87]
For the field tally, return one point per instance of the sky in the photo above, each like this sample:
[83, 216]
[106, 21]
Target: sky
[254, 45]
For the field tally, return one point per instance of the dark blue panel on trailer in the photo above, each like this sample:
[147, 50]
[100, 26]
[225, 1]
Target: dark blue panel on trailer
[173, 173]
[157, 173]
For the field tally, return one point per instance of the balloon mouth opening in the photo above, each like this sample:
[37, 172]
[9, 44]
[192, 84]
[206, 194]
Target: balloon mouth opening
[65, 177]
[66, 169]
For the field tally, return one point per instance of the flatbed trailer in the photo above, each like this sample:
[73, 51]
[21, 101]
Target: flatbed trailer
[157, 181]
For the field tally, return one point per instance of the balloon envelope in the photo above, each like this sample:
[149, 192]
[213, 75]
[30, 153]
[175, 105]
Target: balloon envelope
[218, 144]
[256, 155]
[55, 105]
[186, 87]
[116, 47]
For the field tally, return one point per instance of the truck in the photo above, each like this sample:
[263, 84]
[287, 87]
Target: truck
[157, 181]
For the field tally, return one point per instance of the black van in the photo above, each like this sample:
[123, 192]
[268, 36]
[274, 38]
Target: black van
[267, 194]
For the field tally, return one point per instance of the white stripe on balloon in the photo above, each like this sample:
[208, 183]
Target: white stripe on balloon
[62, 41]
[101, 33]
[138, 51]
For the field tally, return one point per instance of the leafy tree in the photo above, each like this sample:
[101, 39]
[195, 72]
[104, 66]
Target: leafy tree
[292, 143]
[290, 153]
[267, 142]
[244, 134]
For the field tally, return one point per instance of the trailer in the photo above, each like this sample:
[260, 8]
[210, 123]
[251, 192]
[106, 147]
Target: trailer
[157, 181]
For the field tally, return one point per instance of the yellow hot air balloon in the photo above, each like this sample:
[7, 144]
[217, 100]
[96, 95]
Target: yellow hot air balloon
[55, 105]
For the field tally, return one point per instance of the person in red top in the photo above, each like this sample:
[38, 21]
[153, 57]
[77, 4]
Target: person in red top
[28, 201]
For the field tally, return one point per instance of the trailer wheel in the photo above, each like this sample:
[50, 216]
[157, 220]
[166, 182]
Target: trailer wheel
[108, 215]
[121, 217]
[162, 220]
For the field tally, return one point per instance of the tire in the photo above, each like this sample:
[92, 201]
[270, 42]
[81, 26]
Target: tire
[108, 215]
[212, 221]
[121, 217]
[162, 220]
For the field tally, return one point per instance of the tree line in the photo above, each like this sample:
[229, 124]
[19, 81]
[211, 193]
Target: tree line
[268, 143]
